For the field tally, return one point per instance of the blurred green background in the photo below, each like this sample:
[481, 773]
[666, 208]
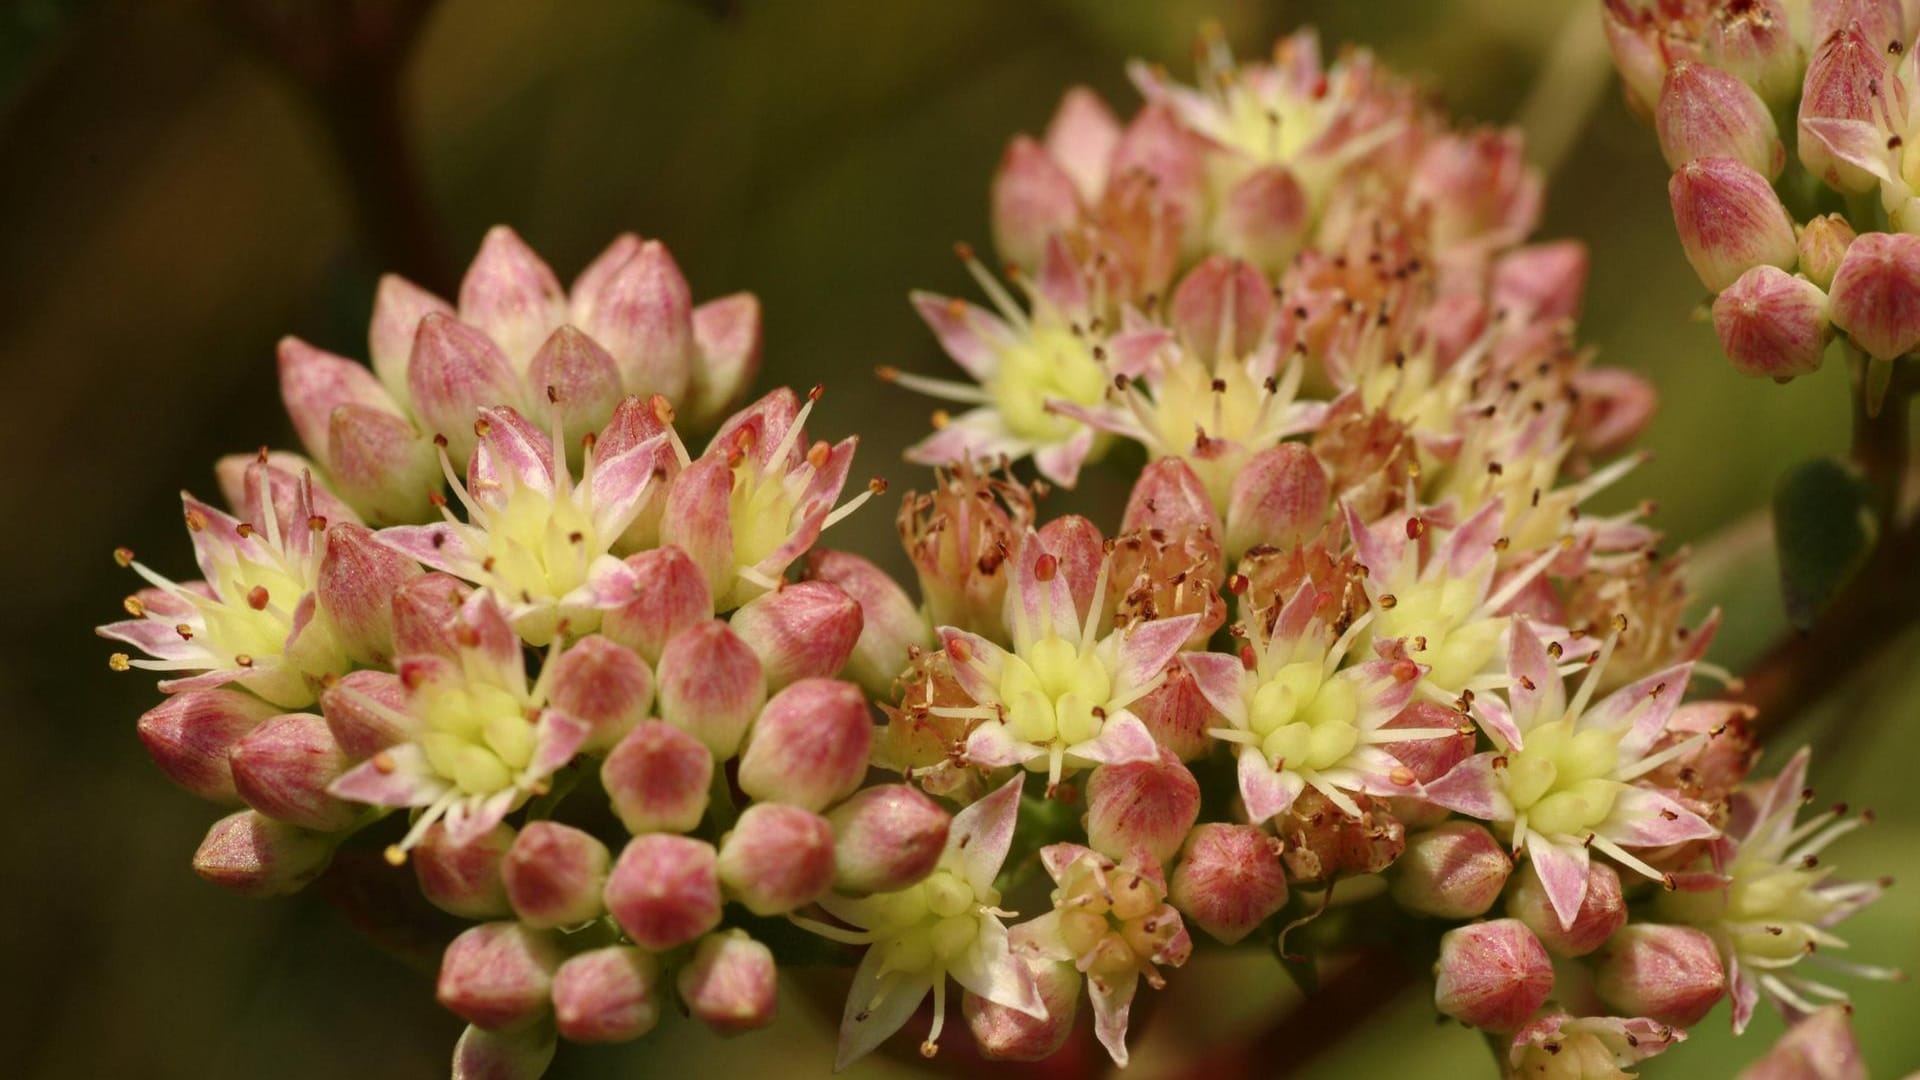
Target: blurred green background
[172, 201]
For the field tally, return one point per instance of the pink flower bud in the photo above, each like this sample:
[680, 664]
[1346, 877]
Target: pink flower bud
[381, 465]
[1156, 145]
[425, 611]
[1823, 244]
[1846, 80]
[583, 380]
[1602, 912]
[658, 779]
[891, 625]
[1754, 40]
[1492, 975]
[1170, 496]
[726, 334]
[554, 874]
[1637, 55]
[671, 596]
[643, 313]
[1177, 714]
[697, 518]
[1544, 282]
[1229, 880]
[1142, 807]
[253, 855]
[1032, 198]
[1220, 309]
[1705, 112]
[1729, 220]
[607, 995]
[664, 890]
[711, 686]
[799, 631]
[1004, 1034]
[593, 279]
[1078, 550]
[464, 879]
[731, 983]
[511, 295]
[1279, 499]
[1668, 974]
[365, 711]
[398, 307]
[1876, 294]
[358, 576]
[1820, 1047]
[282, 769]
[503, 1055]
[314, 382]
[190, 734]
[1264, 218]
[777, 858]
[603, 684]
[810, 745]
[454, 372]
[498, 975]
[1455, 871]
[1772, 323]
[886, 838]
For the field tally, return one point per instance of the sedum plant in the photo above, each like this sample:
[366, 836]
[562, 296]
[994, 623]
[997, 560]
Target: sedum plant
[1364, 641]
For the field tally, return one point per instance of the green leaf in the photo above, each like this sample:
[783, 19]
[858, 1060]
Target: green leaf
[1824, 527]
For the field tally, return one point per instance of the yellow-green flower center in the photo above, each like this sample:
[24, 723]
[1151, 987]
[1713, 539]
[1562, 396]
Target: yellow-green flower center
[1054, 691]
[1187, 407]
[761, 509]
[1305, 720]
[925, 926]
[1770, 910]
[539, 546]
[1435, 618]
[1560, 780]
[478, 737]
[256, 612]
[1051, 361]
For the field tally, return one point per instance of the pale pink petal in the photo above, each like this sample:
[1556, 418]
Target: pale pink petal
[1648, 702]
[1222, 680]
[1642, 817]
[979, 674]
[1060, 462]
[1856, 142]
[872, 1016]
[1562, 867]
[1537, 693]
[1147, 647]
[972, 336]
[1112, 998]
[1122, 739]
[1471, 544]
[443, 546]
[557, 738]
[1133, 352]
[975, 435]
[157, 639]
[470, 819]
[1744, 990]
[512, 449]
[1380, 552]
[623, 483]
[1385, 687]
[761, 427]
[981, 835]
[1061, 281]
[1058, 858]
[990, 970]
[397, 776]
[1494, 719]
[1036, 607]
[1473, 789]
[1265, 791]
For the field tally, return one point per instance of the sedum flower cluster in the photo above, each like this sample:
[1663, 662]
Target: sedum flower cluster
[1357, 638]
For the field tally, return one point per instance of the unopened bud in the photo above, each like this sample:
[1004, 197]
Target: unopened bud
[1876, 294]
[464, 879]
[810, 745]
[1032, 199]
[1729, 220]
[190, 734]
[658, 779]
[1278, 499]
[364, 709]
[1170, 496]
[522, 1054]
[731, 983]
[1005, 1034]
[603, 684]
[891, 624]
[1668, 974]
[1142, 807]
[425, 613]
[1754, 40]
[1823, 243]
[800, 631]
[777, 858]
[607, 995]
[1264, 218]
[1492, 975]
[641, 310]
[498, 975]
[670, 595]
[554, 875]
[282, 769]
[886, 838]
[1705, 112]
[664, 890]
[1847, 78]
[1455, 871]
[1820, 1047]
[357, 580]
[1773, 324]
[254, 855]
[711, 686]
[1220, 309]
[453, 372]
[1178, 715]
[1602, 912]
[1542, 282]
[1229, 880]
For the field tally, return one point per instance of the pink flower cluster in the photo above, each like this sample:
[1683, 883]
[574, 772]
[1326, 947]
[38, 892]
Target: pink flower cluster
[1354, 635]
